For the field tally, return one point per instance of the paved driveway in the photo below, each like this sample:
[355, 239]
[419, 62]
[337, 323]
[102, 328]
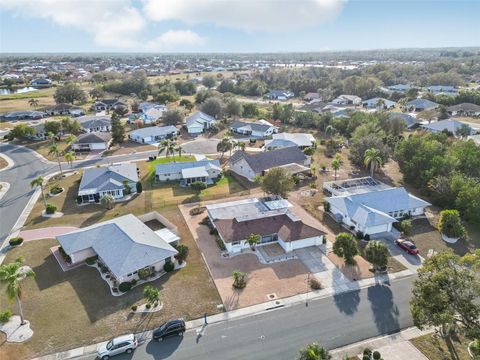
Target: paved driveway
[201, 146]
[411, 262]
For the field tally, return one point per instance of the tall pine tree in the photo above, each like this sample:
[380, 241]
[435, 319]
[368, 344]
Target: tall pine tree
[118, 130]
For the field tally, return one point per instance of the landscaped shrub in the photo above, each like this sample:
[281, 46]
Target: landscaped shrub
[55, 189]
[220, 243]
[148, 306]
[367, 352]
[315, 284]
[366, 237]
[213, 231]
[309, 151]
[366, 357]
[169, 266]
[50, 209]
[406, 227]
[239, 279]
[134, 308]
[450, 224]
[144, 273]
[125, 286]
[197, 210]
[139, 187]
[326, 206]
[91, 260]
[79, 200]
[359, 235]
[205, 221]
[65, 256]
[475, 347]
[134, 281]
[324, 240]
[198, 185]
[5, 316]
[376, 355]
[15, 241]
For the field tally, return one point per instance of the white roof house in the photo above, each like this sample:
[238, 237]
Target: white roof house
[282, 140]
[205, 171]
[199, 122]
[124, 244]
[153, 134]
[370, 206]
[449, 125]
[347, 100]
[377, 102]
[261, 128]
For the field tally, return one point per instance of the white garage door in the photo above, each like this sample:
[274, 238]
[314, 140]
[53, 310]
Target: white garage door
[377, 229]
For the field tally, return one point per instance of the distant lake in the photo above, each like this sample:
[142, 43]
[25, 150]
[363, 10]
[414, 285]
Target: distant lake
[6, 91]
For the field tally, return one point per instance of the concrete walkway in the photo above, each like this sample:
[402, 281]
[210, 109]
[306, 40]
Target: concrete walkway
[45, 233]
[392, 347]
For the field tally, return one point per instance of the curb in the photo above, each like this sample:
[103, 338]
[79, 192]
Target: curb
[4, 189]
[10, 162]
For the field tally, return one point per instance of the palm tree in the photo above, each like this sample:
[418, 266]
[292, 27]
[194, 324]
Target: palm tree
[38, 181]
[335, 167]
[372, 159]
[33, 103]
[330, 131]
[55, 150]
[108, 200]
[314, 352]
[179, 150]
[253, 240]
[70, 157]
[169, 146]
[12, 274]
[380, 103]
[151, 294]
[70, 139]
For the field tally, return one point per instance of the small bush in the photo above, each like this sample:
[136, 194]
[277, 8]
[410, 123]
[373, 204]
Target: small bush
[125, 286]
[326, 206]
[220, 243]
[376, 355]
[50, 209]
[205, 221]
[144, 273]
[366, 357]
[134, 281]
[309, 151]
[169, 266]
[367, 352]
[197, 210]
[359, 235]
[15, 241]
[366, 237]
[55, 189]
[65, 256]
[475, 347]
[148, 306]
[5, 316]
[91, 260]
[324, 240]
[139, 187]
[198, 185]
[134, 308]
[315, 284]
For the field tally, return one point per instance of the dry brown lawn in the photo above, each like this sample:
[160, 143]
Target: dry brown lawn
[128, 147]
[3, 163]
[435, 348]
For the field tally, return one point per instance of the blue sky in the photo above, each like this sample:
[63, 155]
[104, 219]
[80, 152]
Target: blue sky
[234, 25]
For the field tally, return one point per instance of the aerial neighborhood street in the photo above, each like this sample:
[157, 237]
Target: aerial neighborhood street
[179, 181]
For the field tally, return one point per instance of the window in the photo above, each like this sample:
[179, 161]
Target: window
[235, 243]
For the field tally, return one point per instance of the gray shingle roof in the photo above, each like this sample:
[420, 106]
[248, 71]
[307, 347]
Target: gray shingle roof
[175, 167]
[199, 118]
[422, 104]
[124, 244]
[464, 107]
[93, 138]
[254, 126]
[408, 119]
[96, 178]
[266, 160]
[154, 131]
[449, 125]
[92, 121]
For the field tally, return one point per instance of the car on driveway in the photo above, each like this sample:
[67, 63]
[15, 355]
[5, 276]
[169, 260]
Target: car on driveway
[173, 327]
[407, 245]
[118, 345]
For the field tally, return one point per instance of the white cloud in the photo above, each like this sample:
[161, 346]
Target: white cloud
[112, 23]
[269, 15]
[172, 39]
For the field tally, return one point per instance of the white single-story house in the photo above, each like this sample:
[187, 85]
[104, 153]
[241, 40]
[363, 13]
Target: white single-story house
[153, 134]
[443, 89]
[312, 96]
[279, 95]
[64, 109]
[198, 122]
[92, 141]
[400, 88]
[125, 245]
[259, 129]
[111, 179]
[94, 123]
[450, 125]
[41, 83]
[283, 140]
[270, 218]
[420, 105]
[206, 171]
[369, 206]
[347, 100]
[464, 109]
[108, 104]
[22, 115]
[252, 165]
[378, 102]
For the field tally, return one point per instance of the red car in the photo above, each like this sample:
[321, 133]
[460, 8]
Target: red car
[407, 245]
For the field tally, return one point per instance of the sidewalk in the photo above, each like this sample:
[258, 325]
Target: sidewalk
[392, 347]
[257, 309]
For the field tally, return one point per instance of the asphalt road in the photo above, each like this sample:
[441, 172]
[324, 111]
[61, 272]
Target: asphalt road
[278, 334]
